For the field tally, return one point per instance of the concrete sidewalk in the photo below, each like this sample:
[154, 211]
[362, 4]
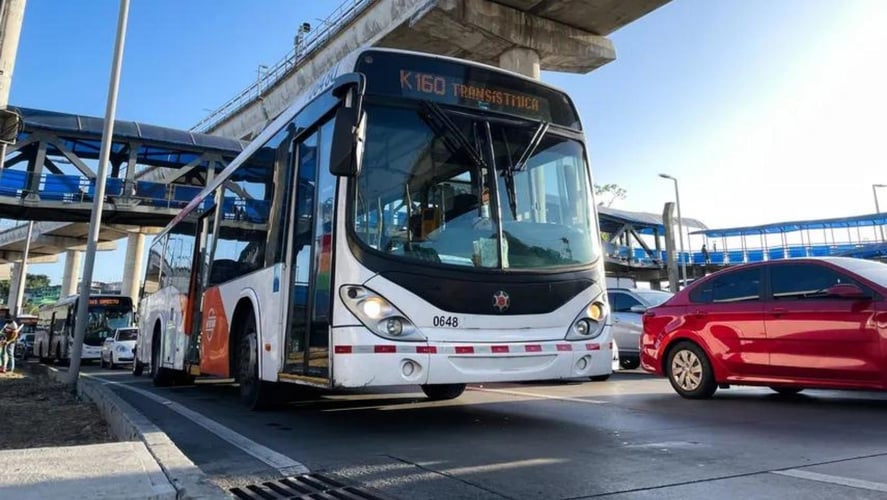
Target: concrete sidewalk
[111, 470]
[144, 463]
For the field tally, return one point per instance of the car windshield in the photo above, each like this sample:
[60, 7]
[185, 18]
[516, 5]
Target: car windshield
[124, 335]
[457, 189]
[653, 298]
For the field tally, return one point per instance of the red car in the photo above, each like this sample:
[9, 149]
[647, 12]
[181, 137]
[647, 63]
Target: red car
[786, 324]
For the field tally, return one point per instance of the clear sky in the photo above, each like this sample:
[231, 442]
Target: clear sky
[764, 110]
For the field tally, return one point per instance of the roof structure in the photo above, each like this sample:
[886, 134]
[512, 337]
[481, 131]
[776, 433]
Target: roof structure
[868, 220]
[612, 219]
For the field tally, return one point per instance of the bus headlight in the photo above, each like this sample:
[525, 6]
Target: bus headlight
[590, 322]
[377, 314]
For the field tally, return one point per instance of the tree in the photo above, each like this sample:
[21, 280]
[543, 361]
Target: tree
[607, 194]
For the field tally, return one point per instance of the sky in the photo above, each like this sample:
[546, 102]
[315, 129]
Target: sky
[763, 110]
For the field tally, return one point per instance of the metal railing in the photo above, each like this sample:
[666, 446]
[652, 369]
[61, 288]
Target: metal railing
[311, 42]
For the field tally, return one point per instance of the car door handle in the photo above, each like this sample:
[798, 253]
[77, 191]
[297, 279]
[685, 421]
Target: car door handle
[778, 311]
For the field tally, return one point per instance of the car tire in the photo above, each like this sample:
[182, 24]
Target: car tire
[102, 361]
[111, 364]
[787, 391]
[689, 371]
[629, 363]
[442, 392]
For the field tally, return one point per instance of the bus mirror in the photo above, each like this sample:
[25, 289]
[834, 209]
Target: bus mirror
[347, 142]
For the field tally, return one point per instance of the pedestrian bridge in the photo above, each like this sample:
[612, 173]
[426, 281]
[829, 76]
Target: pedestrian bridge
[49, 174]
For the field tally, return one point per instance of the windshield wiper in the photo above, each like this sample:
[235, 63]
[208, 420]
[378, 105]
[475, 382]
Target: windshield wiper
[531, 147]
[441, 118]
[521, 165]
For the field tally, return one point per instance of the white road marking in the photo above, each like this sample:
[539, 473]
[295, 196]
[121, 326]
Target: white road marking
[827, 478]
[284, 464]
[539, 396]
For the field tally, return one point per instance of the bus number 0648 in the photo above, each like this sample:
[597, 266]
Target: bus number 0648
[450, 321]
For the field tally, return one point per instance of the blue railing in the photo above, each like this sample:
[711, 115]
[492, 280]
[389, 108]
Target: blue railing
[77, 189]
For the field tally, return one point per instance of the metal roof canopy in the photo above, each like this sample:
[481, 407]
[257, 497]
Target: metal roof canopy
[612, 219]
[788, 227]
[86, 127]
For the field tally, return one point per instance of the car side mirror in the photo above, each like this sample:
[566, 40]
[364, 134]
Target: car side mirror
[637, 308]
[846, 291]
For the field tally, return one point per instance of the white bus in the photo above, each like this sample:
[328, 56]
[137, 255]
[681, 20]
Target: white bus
[55, 326]
[409, 220]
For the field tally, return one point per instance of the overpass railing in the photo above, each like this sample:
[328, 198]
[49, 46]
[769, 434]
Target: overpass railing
[638, 257]
[346, 12]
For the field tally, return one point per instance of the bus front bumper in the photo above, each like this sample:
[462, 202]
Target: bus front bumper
[378, 362]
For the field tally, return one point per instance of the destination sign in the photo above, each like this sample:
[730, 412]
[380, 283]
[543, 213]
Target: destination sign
[104, 301]
[431, 85]
[446, 81]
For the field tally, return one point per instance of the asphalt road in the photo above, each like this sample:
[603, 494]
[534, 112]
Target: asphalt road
[630, 437]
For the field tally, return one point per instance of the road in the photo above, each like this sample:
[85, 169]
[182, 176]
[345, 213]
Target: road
[630, 437]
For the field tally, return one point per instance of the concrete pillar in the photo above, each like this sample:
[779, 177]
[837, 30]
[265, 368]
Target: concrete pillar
[132, 267]
[13, 286]
[523, 61]
[12, 13]
[72, 273]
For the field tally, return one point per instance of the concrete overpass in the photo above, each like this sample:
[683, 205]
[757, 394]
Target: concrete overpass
[526, 36]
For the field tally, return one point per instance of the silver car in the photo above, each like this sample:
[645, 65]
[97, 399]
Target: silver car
[628, 306]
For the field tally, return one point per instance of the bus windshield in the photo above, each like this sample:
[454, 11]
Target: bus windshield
[104, 320]
[463, 189]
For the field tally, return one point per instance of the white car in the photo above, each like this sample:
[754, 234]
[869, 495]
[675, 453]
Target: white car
[118, 348]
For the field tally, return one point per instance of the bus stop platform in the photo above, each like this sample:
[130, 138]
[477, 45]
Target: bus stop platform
[112, 470]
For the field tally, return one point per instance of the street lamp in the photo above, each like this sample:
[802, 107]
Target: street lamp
[677, 197]
[877, 207]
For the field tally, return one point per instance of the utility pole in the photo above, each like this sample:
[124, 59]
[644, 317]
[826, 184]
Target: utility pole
[98, 202]
[12, 14]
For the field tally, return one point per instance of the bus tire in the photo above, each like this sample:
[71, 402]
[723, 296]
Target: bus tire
[137, 368]
[442, 392]
[43, 356]
[159, 375]
[255, 393]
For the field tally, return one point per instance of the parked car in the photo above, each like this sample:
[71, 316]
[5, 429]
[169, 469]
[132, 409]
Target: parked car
[118, 348]
[24, 348]
[787, 324]
[628, 306]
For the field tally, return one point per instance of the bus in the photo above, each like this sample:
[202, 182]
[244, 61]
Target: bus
[55, 326]
[411, 219]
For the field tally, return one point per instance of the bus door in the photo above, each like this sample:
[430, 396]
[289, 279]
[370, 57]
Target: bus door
[201, 261]
[310, 257]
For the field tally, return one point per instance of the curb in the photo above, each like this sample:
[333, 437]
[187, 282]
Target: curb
[127, 424]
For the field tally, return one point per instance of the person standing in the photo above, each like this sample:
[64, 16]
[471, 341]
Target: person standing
[11, 333]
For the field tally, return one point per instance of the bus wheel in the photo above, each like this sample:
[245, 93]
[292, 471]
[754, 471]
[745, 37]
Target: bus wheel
[254, 393]
[159, 375]
[58, 355]
[440, 392]
[137, 368]
[44, 357]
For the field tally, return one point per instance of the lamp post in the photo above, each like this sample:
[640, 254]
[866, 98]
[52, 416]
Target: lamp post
[98, 201]
[677, 197]
[877, 207]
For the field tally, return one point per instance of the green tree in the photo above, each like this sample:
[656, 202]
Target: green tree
[607, 194]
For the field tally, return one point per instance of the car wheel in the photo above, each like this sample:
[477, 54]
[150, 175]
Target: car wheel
[111, 364]
[787, 391]
[689, 371]
[629, 363]
[441, 392]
